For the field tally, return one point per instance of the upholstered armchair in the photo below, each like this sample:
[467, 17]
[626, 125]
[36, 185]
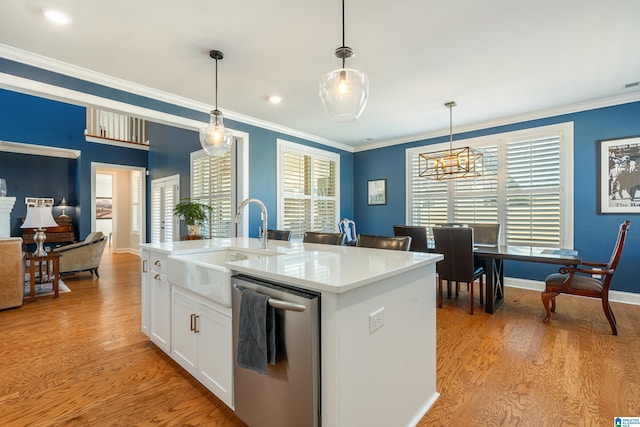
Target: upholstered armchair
[11, 272]
[83, 256]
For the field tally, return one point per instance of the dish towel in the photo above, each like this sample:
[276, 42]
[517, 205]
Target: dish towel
[256, 332]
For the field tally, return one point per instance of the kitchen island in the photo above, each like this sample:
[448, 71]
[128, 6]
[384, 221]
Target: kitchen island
[377, 321]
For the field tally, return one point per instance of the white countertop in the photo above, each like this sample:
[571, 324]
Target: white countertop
[323, 268]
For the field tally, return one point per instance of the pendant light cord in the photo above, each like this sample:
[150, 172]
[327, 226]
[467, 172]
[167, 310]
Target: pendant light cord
[216, 84]
[343, 44]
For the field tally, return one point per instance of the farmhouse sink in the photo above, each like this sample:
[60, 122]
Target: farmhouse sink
[208, 273]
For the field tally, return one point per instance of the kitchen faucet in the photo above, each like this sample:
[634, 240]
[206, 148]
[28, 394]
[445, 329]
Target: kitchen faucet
[263, 214]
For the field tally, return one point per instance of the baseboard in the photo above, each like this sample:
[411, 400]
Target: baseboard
[536, 285]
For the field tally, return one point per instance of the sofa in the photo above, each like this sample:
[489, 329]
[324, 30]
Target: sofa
[11, 272]
[83, 256]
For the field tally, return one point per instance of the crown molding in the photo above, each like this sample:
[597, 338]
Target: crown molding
[38, 150]
[49, 64]
[536, 115]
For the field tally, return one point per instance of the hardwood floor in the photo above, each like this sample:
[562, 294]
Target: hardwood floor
[82, 360]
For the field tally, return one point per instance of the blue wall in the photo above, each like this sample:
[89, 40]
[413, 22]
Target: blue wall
[33, 120]
[594, 233]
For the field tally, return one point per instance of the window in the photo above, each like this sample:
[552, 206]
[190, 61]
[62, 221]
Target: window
[135, 201]
[527, 187]
[213, 184]
[308, 189]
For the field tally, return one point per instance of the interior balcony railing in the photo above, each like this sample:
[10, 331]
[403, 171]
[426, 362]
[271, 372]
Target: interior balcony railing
[116, 128]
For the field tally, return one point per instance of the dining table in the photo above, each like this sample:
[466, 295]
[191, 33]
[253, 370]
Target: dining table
[495, 255]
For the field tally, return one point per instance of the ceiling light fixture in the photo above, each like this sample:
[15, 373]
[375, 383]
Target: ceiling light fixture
[275, 99]
[453, 163]
[56, 16]
[215, 139]
[344, 92]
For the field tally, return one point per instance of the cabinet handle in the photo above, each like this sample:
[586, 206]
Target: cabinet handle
[195, 323]
[191, 323]
[158, 277]
[158, 263]
[144, 265]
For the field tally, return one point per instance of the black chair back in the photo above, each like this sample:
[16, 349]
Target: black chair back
[324, 238]
[279, 234]
[401, 243]
[456, 244]
[485, 234]
[417, 233]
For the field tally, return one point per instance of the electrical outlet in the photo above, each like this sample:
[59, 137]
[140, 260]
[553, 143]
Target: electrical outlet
[376, 320]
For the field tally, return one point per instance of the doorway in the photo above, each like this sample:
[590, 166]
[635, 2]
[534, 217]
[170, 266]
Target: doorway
[122, 216]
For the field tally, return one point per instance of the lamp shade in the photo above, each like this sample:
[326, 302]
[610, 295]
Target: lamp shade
[215, 139]
[344, 93]
[39, 217]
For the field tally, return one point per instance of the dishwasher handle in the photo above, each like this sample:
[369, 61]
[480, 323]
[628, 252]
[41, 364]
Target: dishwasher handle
[277, 303]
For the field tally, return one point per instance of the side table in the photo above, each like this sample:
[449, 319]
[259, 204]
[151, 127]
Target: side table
[48, 269]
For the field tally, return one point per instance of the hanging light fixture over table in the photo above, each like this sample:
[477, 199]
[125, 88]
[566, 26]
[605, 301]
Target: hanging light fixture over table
[453, 163]
[344, 91]
[215, 139]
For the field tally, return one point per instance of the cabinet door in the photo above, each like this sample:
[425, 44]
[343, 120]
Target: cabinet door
[144, 289]
[160, 311]
[184, 336]
[215, 354]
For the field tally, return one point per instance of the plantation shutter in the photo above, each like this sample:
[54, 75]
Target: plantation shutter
[164, 194]
[135, 202]
[476, 199]
[429, 199]
[309, 192]
[533, 192]
[156, 205]
[212, 185]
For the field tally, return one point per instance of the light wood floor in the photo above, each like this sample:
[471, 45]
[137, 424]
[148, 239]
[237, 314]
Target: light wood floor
[82, 360]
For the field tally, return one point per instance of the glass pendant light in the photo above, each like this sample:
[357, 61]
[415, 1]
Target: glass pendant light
[215, 139]
[345, 91]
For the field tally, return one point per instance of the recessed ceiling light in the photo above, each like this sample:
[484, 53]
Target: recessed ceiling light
[56, 16]
[274, 99]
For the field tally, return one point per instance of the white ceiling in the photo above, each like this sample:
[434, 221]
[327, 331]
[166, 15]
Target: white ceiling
[496, 58]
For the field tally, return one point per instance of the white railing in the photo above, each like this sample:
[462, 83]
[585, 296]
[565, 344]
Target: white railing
[116, 127]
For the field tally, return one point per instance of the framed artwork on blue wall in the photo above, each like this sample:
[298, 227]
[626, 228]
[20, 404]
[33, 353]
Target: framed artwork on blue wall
[620, 175]
[377, 192]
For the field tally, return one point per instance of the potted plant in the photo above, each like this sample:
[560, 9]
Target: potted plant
[192, 213]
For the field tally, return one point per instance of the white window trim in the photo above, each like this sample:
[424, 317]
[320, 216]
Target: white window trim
[566, 167]
[283, 145]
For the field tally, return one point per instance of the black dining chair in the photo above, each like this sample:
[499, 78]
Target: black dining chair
[398, 243]
[456, 244]
[487, 234]
[279, 235]
[417, 233]
[324, 238]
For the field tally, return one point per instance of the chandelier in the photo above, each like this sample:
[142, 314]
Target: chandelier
[453, 163]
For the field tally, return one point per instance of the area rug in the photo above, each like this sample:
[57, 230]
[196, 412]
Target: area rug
[43, 289]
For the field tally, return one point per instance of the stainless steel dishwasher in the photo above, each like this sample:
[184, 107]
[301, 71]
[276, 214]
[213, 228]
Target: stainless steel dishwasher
[289, 393]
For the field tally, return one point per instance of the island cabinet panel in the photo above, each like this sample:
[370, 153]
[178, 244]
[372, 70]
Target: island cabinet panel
[144, 290]
[202, 342]
[159, 302]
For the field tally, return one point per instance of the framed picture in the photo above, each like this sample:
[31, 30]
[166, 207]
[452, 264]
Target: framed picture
[36, 202]
[104, 209]
[620, 175]
[377, 192]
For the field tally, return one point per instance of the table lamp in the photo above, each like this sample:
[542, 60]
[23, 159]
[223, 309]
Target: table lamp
[39, 217]
[63, 204]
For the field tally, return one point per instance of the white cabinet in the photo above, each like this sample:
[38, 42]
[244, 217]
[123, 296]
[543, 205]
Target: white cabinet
[202, 342]
[159, 293]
